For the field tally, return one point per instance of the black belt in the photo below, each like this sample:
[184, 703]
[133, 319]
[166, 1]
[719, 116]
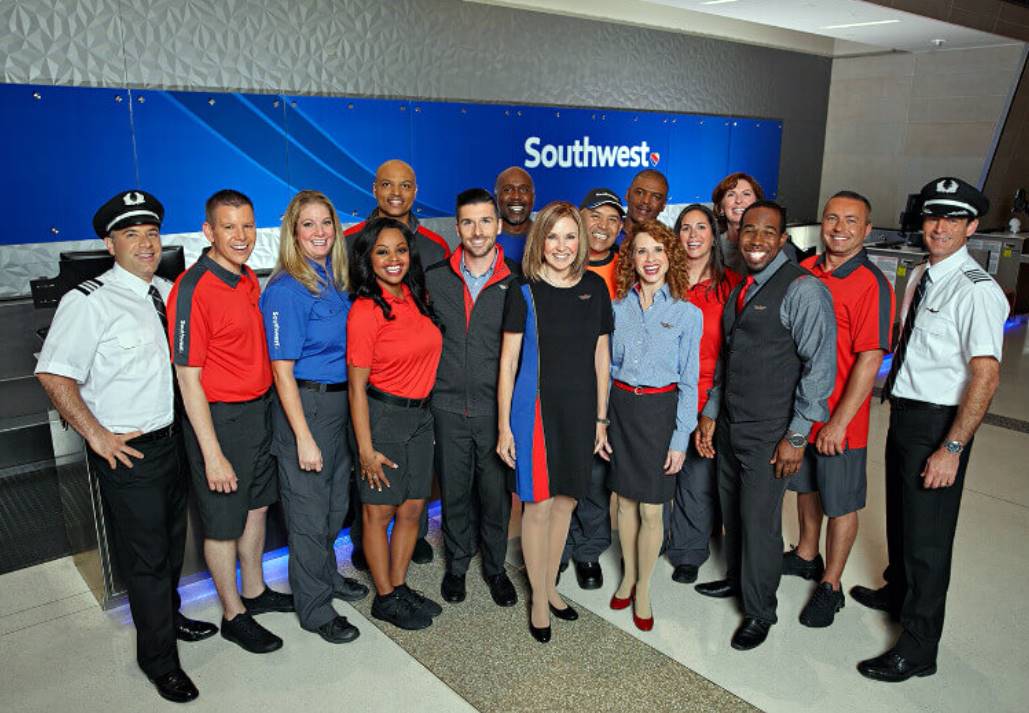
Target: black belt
[159, 435]
[912, 405]
[400, 401]
[320, 387]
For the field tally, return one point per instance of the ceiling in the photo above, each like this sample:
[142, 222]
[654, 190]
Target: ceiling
[811, 26]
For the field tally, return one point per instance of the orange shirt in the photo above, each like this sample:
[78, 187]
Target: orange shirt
[710, 302]
[607, 268]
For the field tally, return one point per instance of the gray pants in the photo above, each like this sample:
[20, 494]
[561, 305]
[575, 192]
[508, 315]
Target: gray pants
[590, 532]
[314, 503]
[474, 494]
[690, 517]
[751, 500]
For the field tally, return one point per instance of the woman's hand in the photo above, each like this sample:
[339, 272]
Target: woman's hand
[309, 454]
[600, 445]
[674, 461]
[506, 447]
[371, 469]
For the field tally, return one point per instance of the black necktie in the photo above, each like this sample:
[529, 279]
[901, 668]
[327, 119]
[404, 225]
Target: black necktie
[155, 297]
[905, 335]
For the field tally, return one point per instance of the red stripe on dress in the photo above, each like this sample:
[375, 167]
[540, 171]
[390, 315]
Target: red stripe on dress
[540, 475]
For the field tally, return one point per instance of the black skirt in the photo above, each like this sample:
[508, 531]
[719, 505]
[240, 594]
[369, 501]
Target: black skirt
[640, 433]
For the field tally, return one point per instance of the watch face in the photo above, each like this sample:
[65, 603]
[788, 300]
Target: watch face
[796, 441]
[954, 446]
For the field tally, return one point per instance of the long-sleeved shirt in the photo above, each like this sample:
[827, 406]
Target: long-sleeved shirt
[807, 313]
[657, 347]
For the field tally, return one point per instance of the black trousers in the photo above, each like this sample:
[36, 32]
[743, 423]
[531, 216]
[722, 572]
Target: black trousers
[690, 518]
[920, 527]
[589, 533]
[751, 502]
[473, 488]
[146, 515]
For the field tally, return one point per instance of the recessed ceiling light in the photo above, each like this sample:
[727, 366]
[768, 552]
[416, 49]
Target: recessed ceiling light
[860, 24]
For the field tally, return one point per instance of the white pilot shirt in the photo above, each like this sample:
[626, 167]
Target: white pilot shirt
[961, 316]
[109, 338]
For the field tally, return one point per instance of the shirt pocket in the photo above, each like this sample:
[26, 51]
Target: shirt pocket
[132, 351]
[933, 334]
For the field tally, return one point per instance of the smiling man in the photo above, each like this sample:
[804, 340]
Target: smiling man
[945, 370]
[645, 198]
[515, 197]
[603, 215]
[775, 374]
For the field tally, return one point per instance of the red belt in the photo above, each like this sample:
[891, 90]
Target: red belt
[640, 390]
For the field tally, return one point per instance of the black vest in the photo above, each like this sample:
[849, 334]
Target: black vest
[761, 363]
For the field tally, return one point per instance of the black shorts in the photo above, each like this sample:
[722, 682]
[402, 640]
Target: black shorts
[244, 433]
[840, 481]
[405, 436]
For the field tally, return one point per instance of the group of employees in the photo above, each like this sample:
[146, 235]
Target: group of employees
[696, 372]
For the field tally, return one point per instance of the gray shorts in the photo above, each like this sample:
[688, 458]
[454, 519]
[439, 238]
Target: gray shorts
[405, 436]
[840, 481]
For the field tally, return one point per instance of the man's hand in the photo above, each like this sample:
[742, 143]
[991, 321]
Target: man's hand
[221, 477]
[940, 470]
[704, 437]
[309, 455]
[786, 459]
[113, 447]
[830, 441]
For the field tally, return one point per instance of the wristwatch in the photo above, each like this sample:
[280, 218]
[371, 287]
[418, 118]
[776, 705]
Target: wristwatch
[954, 447]
[797, 440]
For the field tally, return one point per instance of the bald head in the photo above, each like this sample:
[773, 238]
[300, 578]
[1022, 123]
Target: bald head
[515, 195]
[395, 189]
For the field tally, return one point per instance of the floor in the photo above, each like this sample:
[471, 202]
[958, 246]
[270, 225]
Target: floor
[61, 652]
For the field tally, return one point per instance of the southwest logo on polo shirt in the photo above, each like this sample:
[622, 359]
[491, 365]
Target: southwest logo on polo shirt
[582, 154]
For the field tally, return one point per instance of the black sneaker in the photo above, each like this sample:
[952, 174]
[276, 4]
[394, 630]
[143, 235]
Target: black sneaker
[338, 631]
[422, 551]
[419, 601]
[399, 611]
[268, 600]
[796, 566]
[349, 590]
[820, 611]
[248, 634]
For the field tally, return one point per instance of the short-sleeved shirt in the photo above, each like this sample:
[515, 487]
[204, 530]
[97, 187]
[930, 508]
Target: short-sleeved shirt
[960, 317]
[402, 353]
[513, 245]
[863, 303]
[309, 330]
[710, 302]
[431, 245]
[108, 337]
[607, 268]
[215, 323]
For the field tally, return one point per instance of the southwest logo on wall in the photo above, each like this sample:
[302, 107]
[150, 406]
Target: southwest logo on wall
[183, 146]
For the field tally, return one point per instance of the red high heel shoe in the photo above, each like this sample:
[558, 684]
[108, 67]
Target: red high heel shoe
[618, 604]
[641, 624]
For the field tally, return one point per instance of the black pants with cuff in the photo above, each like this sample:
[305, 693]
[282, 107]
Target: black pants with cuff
[589, 533]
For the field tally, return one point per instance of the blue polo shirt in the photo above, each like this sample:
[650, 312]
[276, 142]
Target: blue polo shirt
[310, 330]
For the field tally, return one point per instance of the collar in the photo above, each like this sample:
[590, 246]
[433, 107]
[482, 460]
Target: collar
[466, 271]
[664, 293]
[770, 269]
[847, 268]
[227, 276]
[388, 296]
[136, 285]
[946, 266]
[604, 260]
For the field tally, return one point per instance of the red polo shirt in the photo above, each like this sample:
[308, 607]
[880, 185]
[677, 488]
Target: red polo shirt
[402, 353]
[863, 302]
[711, 302]
[214, 322]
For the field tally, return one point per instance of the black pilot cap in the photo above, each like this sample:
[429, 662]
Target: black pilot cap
[950, 197]
[127, 208]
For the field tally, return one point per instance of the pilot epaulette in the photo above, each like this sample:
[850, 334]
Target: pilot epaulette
[976, 275]
[89, 287]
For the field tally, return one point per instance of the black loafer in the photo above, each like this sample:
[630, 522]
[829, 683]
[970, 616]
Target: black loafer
[751, 634]
[176, 686]
[422, 552]
[338, 631]
[566, 614]
[878, 599]
[267, 601]
[502, 590]
[891, 667]
[244, 631]
[589, 574]
[719, 589]
[685, 574]
[452, 588]
[358, 559]
[349, 590]
[193, 630]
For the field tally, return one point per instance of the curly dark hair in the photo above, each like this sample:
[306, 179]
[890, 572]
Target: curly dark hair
[625, 273]
[363, 282]
[715, 262]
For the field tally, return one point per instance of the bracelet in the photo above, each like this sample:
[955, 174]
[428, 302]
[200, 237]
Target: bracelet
[604, 421]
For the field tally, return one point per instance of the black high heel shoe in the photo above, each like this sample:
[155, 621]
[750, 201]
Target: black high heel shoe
[566, 614]
[541, 634]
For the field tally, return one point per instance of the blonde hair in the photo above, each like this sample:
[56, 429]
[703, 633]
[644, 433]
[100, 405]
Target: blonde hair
[546, 219]
[676, 278]
[291, 258]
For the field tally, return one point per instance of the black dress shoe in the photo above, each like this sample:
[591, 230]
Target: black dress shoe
[878, 599]
[719, 589]
[891, 667]
[541, 634]
[422, 552]
[566, 614]
[248, 634]
[338, 631]
[176, 686]
[349, 590]
[589, 574]
[751, 634]
[685, 574]
[502, 590]
[358, 559]
[267, 601]
[193, 630]
[452, 588]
